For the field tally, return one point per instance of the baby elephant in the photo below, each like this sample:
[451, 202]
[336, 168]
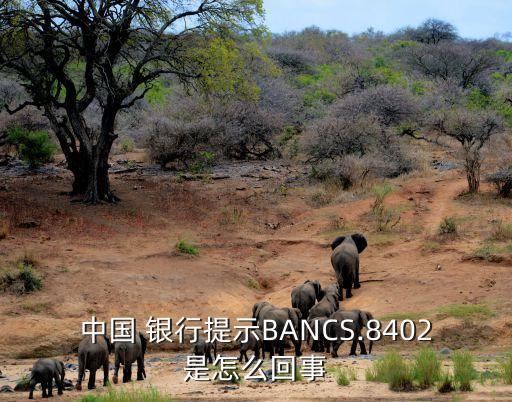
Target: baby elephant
[45, 371]
[203, 348]
[128, 353]
[254, 343]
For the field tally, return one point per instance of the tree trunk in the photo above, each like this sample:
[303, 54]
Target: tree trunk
[98, 183]
[473, 173]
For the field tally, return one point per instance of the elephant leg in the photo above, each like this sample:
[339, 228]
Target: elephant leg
[257, 352]
[297, 343]
[314, 346]
[117, 364]
[92, 379]
[335, 347]
[81, 372]
[105, 373]
[209, 357]
[59, 384]
[50, 387]
[362, 348]
[240, 358]
[127, 372]
[270, 348]
[31, 389]
[327, 346]
[357, 285]
[353, 347]
[262, 352]
[44, 386]
[140, 368]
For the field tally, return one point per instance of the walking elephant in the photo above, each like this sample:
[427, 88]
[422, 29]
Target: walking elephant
[254, 342]
[345, 261]
[306, 295]
[329, 303]
[280, 316]
[203, 348]
[93, 356]
[44, 372]
[355, 320]
[127, 353]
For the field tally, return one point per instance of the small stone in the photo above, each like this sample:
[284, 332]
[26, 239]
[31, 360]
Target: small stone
[6, 389]
[445, 351]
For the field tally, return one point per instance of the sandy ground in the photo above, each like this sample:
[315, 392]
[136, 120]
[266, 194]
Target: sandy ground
[259, 225]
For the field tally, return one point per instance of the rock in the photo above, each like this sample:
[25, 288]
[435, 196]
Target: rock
[446, 351]
[28, 224]
[439, 267]
[6, 389]
[229, 388]
[71, 366]
[153, 359]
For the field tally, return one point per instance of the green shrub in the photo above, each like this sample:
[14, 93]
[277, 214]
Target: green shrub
[22, 279]
[34, 147]
[427, 367]
[506, 369]
[445, 383]
[127, 144]
[393, 370]
[343, 376]
[447, 226]
[501, 231]
[384, 216]
[186, 248]
[127, 395]
[202, 162]
[463, 370]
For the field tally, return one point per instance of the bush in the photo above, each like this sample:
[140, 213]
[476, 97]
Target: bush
[506, 369]
[186, 248]
[22, 279]
[127, 144]
[463, 370]
[445, 383]
[384, 216]
[447, 226]
[127, 395]
[34, 147]
[502, 231]
[502, 181]
[393, 370]
[343, 376]
[427, 368]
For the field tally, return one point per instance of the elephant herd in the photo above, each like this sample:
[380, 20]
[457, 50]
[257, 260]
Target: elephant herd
[313, 303]
[310, 302]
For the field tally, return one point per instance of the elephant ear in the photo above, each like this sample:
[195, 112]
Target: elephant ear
[360, 242]
[143, 342]
[256, 309]
[337, 241]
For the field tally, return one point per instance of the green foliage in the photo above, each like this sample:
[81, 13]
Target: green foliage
[506, 369]
[21, 279]
[202, 162]
[426, 367]
[185, 247]
[392, 369]
[445, 383]
[127, 395]
[385, 217]
[447, 226]
[157, 95]
[343, 375]
[127, 144]
[463, 370]
[34, 147]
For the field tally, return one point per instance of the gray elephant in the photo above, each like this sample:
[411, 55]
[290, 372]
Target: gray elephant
[329, 303]
[254, 342]
[306, 295]
[345, 261]
[280, 316]
[127, 353]
[44, 372]
[259, 309]
[203, 348]
[356, 320]
[93, 356]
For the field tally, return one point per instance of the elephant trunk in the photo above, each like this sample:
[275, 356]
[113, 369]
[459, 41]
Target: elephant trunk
[370, 348]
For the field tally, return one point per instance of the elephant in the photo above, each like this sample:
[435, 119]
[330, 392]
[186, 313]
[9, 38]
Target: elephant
[306, 295]
[356, 320]
[203, 348]
[44, 372]
[259, 309]
[92, 356]
[280, 316]
[345, 261]
[329, 303]
[126, 353]
[254, 343]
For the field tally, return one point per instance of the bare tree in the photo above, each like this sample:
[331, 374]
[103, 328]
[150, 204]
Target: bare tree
[472, 130]
[73, 54]
[433, 31]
